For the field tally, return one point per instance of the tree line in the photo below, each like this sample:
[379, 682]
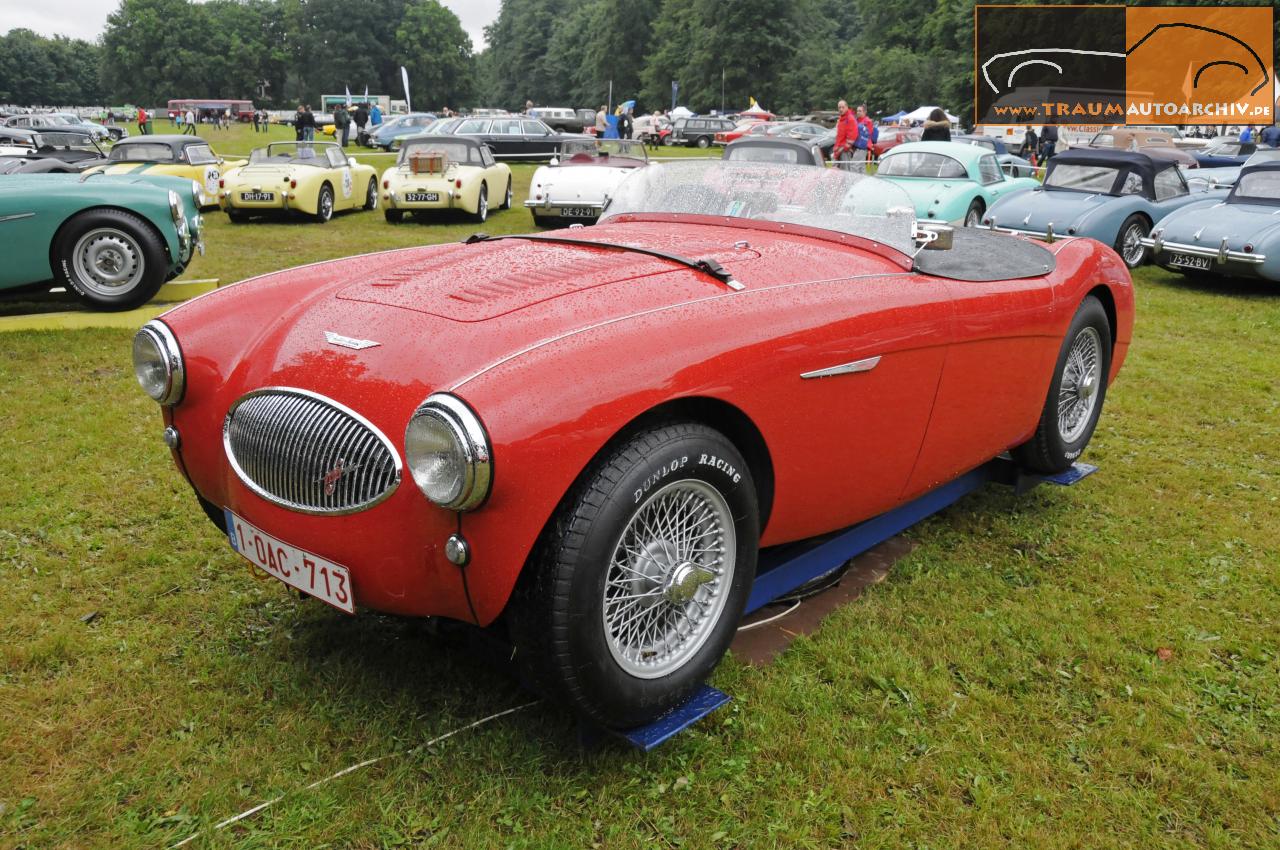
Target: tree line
[791, 55]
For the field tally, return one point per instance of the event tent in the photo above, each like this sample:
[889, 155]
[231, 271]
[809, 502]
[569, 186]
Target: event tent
[922, 114]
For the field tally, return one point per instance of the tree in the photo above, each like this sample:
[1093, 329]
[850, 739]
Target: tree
[519, 63]
[432, 45]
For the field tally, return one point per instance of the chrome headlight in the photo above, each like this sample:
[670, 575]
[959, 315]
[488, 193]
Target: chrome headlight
[195, 192]
[157, 363]
[175, 206]
[448, 453]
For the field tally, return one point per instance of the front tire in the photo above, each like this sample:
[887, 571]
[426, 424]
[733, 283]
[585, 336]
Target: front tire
[1076, 393]
[324, 204]
[110, 259]
[482, 205]
[635, 591]
[510, 196]
[1129, 241]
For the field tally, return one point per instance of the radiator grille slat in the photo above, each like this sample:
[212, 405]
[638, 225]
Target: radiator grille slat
[309, 453]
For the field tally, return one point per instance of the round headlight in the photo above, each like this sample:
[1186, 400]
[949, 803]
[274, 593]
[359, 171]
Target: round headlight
[195, 192]
[175, 206]
[448, 453]
[157, 363]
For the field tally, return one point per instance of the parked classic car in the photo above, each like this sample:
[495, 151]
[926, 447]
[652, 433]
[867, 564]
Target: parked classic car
[698, 131]
[652, 129]
[565, 120]
[93, 128]
[1113, 196]
[515, 137]
[111, 241]
[189, 157]
[313, 178]
[950, 181]
[48, 151]
[590, 434]
[1150, 142]
[750, 127]
[435, 173]
[578, 183]
[1225, 177]
[56, 121]
[1014, 166]
[1235, 236]
[1226, 154]
[390, 134]
[773, 149]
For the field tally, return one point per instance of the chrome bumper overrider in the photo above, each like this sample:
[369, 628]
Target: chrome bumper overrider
[1046, 235]
[1222, 253]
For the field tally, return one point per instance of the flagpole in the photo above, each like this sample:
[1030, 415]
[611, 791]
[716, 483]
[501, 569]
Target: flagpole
[722, 90]
[610, 96]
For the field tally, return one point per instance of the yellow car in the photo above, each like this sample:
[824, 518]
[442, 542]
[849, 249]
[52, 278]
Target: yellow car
[182, 156]
[315, 178]
[444, 173]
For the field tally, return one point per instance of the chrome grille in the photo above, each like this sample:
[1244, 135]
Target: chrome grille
[309, 453]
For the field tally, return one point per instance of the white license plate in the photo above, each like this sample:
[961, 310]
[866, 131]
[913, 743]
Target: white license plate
[1189, 261]
[421, 197]
[257, 196]
[577, 212]
[313, 575]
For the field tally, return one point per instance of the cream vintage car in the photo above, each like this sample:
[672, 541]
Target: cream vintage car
[435, 173]
[182, 156]
[314, 178]
[577, 184]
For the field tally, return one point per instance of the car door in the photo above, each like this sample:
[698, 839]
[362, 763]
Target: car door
[538, 138]
[342, 178]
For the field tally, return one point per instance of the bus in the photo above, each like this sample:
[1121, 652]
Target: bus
[241, 110]
[330, 102]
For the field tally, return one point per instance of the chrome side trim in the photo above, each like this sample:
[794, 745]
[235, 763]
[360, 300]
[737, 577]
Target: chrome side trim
[15, 217]
[864, 365]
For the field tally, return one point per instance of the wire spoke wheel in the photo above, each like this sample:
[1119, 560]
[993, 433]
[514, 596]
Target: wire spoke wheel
[108, 261]
[1132, 245]
[1081, 380]
[670, 575]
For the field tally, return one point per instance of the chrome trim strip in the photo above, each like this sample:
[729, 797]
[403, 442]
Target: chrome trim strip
[864, 365]
[1221, 254]
[15, 217]
[279, 472]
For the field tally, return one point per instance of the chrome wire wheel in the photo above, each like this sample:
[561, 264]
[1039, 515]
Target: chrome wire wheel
[1081, 382]
[107, 261]
[671, 571]
[1131, 245]
[973, 217]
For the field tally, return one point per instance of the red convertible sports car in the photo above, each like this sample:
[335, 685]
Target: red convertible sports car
[584, 438]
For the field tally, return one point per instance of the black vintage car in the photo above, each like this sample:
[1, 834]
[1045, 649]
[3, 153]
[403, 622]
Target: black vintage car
[773, 149]
[699, 132]
[47, 151]
[516, 137]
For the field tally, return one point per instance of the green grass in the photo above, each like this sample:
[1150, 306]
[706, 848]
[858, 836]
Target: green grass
[1003, 688]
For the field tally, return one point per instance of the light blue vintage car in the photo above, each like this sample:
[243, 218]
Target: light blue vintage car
[1238, 236]
[1113, 196]
[950, 181]
[1225, 177]
[111, 241]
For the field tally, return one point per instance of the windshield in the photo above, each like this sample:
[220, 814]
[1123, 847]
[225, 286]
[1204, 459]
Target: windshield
[1223, 149]
[458, 152]
[65, 141]
[591, 148]
[839, 201]
[289, 153]
[1260, 187]
[1083, 178]
[141, 152]
[1260, 157]
[921, 164]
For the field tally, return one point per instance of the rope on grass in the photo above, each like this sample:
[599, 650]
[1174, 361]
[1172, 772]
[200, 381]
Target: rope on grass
[353, 768]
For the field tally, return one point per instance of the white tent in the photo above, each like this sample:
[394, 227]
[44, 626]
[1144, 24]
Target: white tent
[922, 114]
[681, 112]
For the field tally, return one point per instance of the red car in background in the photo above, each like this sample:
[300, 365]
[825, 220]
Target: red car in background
[585, 437]
[746, 128]
[891, 137]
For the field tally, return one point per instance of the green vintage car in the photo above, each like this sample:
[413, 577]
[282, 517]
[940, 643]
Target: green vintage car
[950, 181]
[111, 241]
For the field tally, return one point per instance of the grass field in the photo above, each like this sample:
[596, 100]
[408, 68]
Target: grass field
[1093, 667]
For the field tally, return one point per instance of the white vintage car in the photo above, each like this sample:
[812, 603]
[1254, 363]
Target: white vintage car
[435, 173]
[579, 181]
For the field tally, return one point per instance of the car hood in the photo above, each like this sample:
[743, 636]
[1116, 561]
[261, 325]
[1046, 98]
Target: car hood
[1034, 210]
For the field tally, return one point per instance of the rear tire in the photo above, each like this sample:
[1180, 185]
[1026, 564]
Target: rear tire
[393, 216]
[1076, 393]
[236, 217]
[482, 205]
[636, 588]
[110, 259]
[509, 198]
[324, 204]
[704, 142]
[973, 215]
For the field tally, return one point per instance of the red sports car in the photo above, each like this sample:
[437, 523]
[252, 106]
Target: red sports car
[746, 128]
[586, 436]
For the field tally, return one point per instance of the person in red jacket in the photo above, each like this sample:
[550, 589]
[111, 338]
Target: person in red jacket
[847, 135]
[866, 135]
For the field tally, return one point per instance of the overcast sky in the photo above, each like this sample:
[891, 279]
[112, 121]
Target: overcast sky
[87, 18]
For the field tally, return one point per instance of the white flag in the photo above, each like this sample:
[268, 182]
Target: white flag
[404, 76]
[348, 88]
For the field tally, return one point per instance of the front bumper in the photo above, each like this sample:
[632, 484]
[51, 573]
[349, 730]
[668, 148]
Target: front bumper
[1222, 254]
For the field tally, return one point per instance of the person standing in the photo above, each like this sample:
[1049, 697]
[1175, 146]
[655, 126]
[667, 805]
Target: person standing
[142, 121]
[308, 124]
[1270, 136]
[866, 136]
[297, 124]
[361, 118]
[936, 128]
[342, 124]
[177, 120]
[375, 118]
[625, 125]
[1048, 143]
[601, 123]
[190, 121]
[1029, 143]
[255, 120]
[847, 132]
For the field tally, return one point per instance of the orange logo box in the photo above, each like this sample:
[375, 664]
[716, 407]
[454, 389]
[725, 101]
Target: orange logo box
[1199, 65]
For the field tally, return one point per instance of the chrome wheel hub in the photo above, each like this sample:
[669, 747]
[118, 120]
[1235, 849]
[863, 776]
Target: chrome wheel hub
[1081, 380]
[669, 577]
[1132, 245]
[107, 261]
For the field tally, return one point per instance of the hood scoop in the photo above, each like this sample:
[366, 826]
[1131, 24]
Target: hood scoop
[484, 281]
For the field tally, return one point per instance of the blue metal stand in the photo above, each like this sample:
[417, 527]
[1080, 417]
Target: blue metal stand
[783, 569]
